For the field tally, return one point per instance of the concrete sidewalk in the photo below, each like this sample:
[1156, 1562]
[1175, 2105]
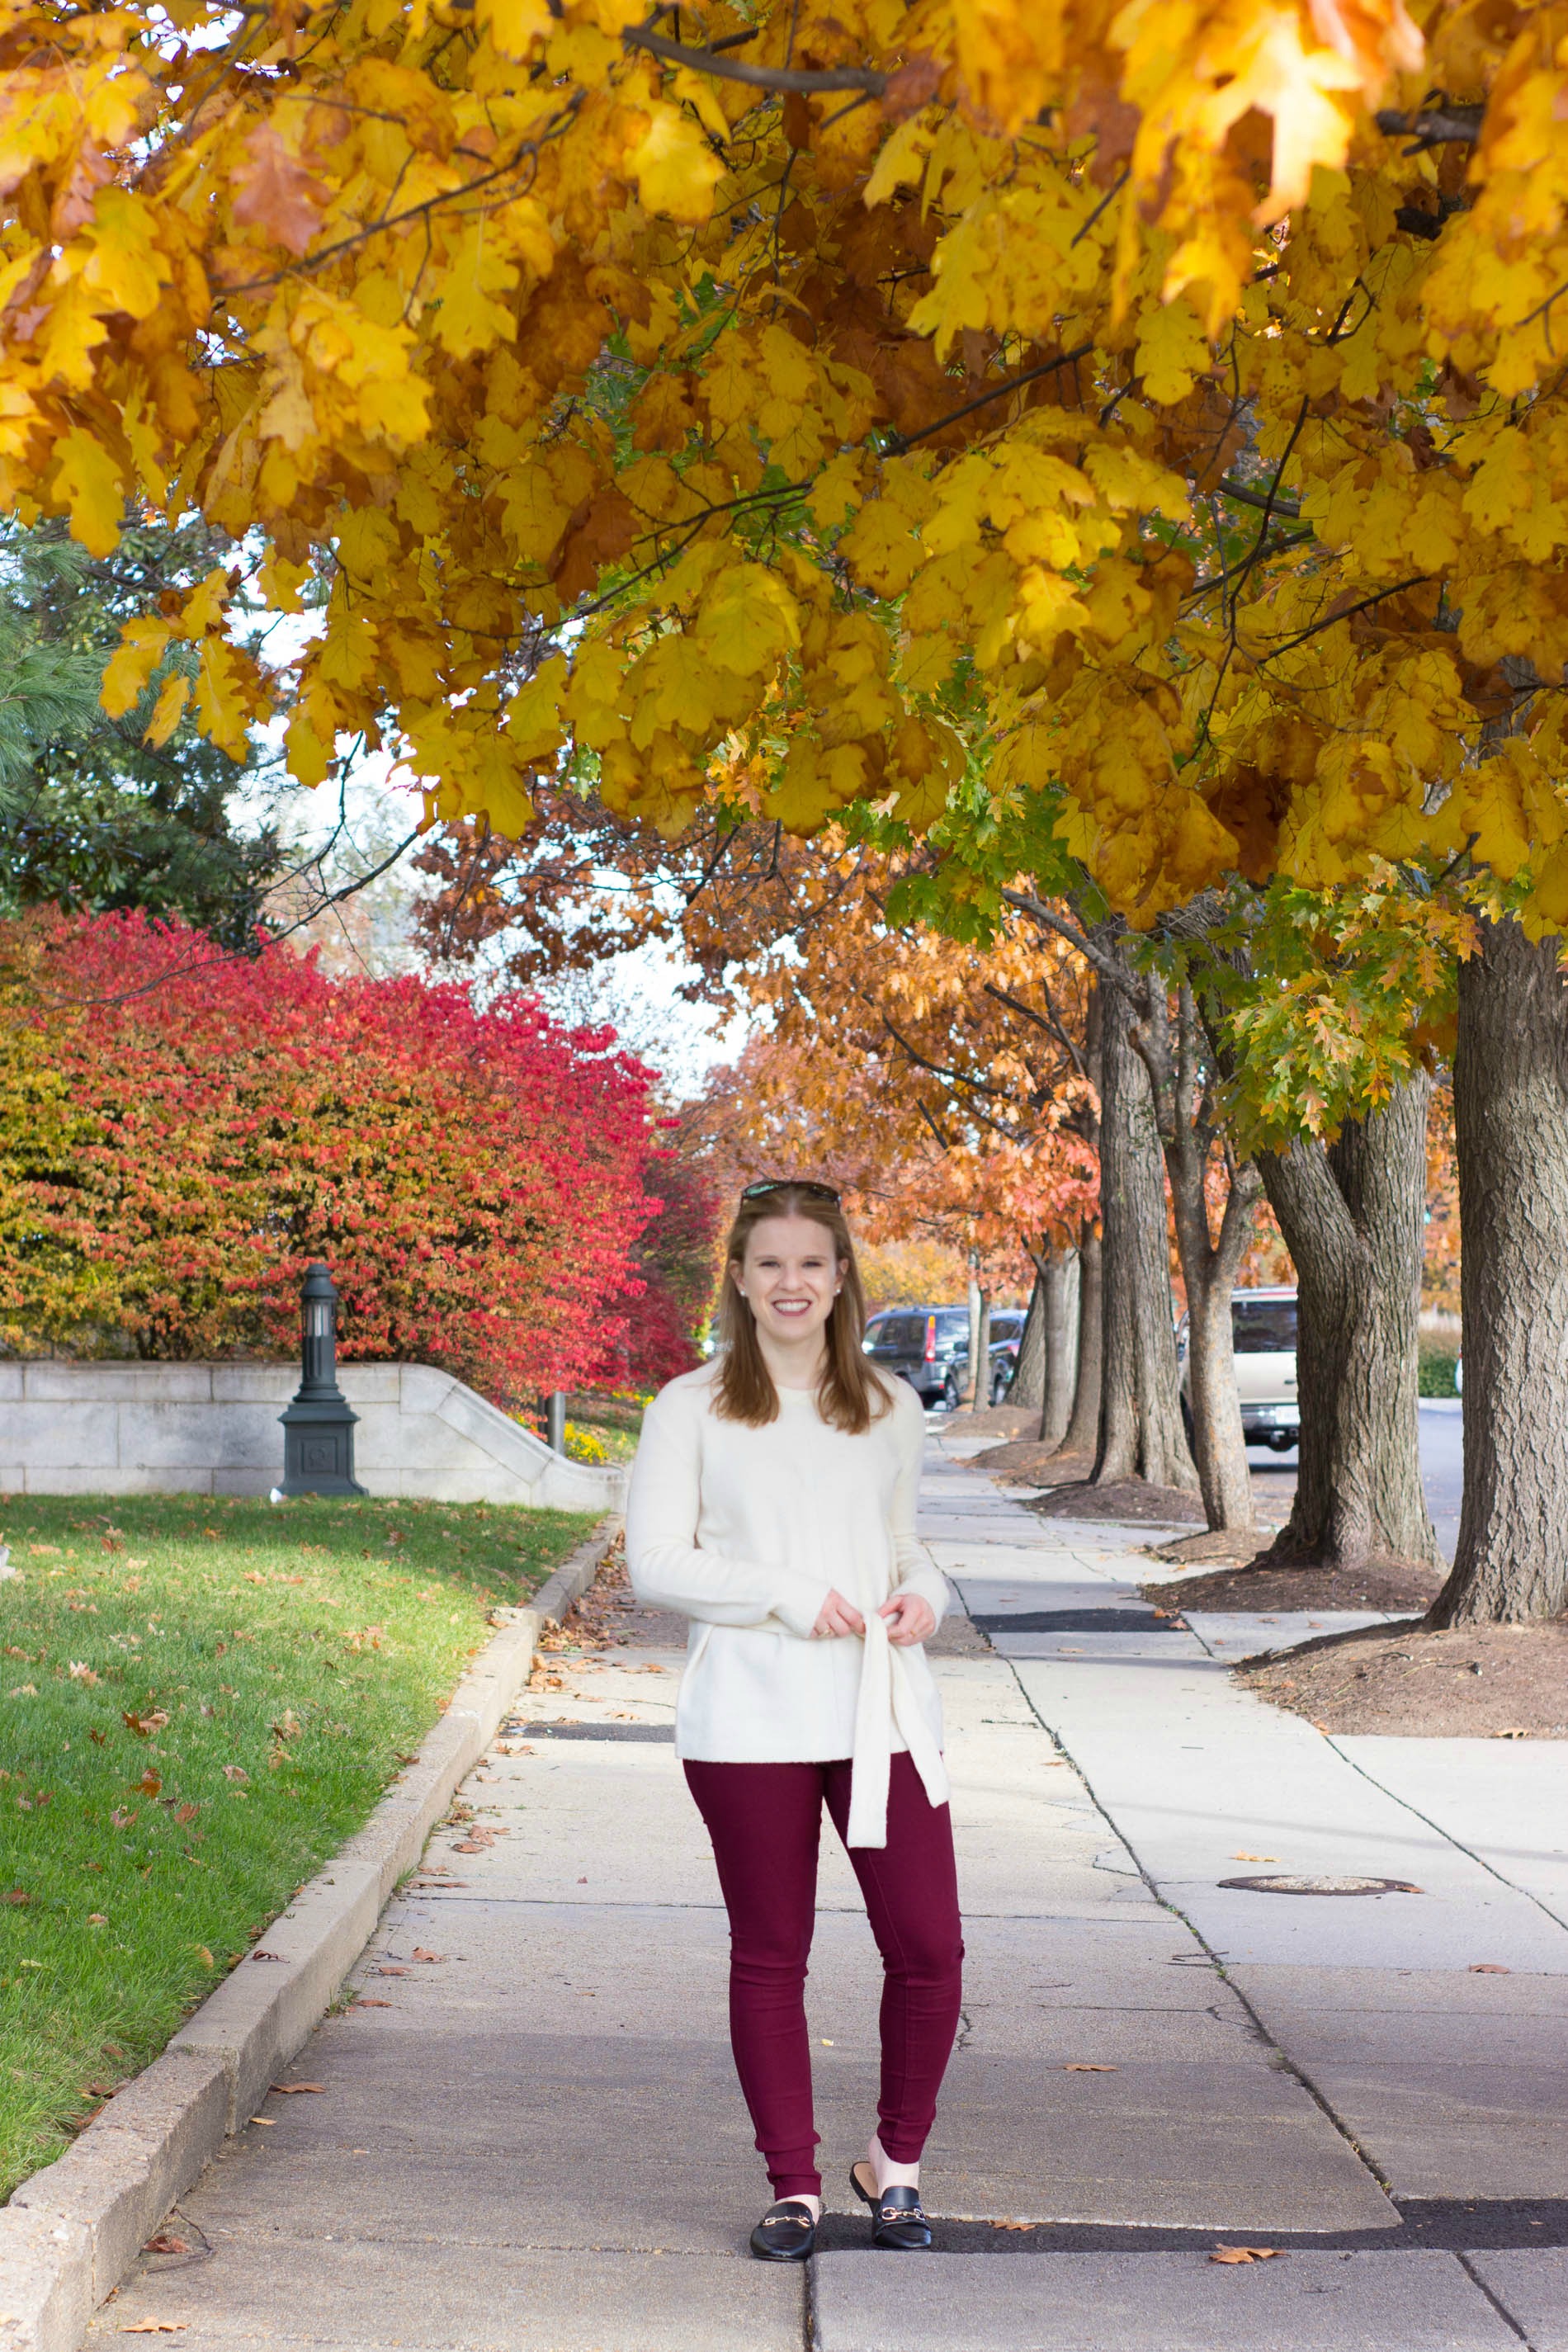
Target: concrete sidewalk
[533, 2139]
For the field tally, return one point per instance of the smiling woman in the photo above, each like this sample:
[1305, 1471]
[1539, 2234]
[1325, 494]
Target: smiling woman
[773, 1503]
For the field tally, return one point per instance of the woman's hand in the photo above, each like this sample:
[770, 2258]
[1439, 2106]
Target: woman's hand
[909, 1619]
[838, 1616]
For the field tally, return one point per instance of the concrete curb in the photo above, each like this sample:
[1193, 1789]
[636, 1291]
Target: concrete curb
[71, 2232]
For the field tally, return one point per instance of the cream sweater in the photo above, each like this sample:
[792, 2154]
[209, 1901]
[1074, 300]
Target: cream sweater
[746, 1531]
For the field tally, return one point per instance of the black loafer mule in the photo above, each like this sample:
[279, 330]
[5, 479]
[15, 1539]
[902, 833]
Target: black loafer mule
[786, 2232]
[897, 2219]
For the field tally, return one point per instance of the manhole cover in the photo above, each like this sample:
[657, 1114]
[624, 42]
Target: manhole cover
[1292, 1885]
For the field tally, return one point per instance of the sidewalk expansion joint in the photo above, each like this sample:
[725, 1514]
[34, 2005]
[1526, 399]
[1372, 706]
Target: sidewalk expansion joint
[1446, 1835]
[1280, 2056]
[1503, 2313]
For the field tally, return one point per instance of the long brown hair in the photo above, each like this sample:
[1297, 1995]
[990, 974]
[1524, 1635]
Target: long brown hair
[850, 1394]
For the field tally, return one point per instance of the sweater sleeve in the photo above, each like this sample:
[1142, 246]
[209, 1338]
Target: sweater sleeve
[669, 1569]
[913, 1567]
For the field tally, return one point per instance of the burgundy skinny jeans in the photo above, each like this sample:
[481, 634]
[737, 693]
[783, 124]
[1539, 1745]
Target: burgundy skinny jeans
[765, 1821]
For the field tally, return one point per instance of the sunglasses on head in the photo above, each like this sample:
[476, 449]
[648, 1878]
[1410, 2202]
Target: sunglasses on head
[789, 1184]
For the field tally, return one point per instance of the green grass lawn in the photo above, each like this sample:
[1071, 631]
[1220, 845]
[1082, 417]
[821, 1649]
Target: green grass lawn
[199, 1700]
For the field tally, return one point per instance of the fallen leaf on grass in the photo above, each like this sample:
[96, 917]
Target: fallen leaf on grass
[186, 1813]
[151, 1783]
[1091, 2070]
[292, 2090]
[1245, 2253]
[16, 1895]
[122, 1816]
[234, 1773]
[144, 1726]
[1489, 1969]
[97, 1919]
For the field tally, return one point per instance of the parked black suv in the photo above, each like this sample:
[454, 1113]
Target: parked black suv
[929, 1347]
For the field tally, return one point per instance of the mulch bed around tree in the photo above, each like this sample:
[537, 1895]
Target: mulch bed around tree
[1012, 1421]
[1028, 1462]
[1024, 1462]
[1401, 1681]
[1397, 1585]
[1131, 1499]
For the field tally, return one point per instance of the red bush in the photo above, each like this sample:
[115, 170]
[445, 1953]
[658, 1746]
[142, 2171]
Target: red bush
[181, 1132]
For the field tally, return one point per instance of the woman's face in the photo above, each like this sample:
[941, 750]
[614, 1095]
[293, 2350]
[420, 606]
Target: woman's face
[789, 1277]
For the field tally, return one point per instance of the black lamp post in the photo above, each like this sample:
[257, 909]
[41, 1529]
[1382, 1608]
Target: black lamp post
[318, 1426]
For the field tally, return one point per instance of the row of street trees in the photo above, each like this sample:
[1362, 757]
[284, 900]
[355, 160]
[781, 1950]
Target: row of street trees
[1096, 467]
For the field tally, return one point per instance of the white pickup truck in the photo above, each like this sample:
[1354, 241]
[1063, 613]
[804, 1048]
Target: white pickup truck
[1263, 1329]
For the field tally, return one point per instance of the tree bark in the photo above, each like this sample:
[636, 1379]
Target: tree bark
[1351, 1215]
[1171, 1053]
[1028, 1387]
[1510, 1119]
[1140, 1433]
[980, 1397]
[1060, 1320]
[1082, 1433]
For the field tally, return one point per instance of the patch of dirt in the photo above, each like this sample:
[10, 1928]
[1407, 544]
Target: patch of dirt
[1010, 1421]
[1131, 1499]
[1398, 1680]
[1216, 1544]
[1396, 1585]
[1026, 1463]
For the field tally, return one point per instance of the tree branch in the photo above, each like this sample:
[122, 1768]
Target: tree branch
[778, 78]
[1436, 126]
[902, 441]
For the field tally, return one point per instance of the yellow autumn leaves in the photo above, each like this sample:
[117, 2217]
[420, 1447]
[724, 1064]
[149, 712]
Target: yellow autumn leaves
[1091, 399]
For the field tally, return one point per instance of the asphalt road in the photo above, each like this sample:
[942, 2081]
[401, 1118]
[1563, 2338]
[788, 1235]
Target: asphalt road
[1442, 1471]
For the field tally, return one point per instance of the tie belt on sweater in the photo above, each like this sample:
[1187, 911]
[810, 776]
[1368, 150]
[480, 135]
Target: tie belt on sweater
[885, 1699]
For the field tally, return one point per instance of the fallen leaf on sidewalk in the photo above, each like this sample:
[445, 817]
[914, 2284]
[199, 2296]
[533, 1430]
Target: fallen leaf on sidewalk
[1091, 2070]
[1254, 1858]
[1489, 1969]
[1519, 1733]
[266, 2122]
[366, 2002]
[391, 1972]
[1012, 2225]
[433, 1959]
[154, 2327]
[292, 2090]
[163, 2244]
[1245, 2253]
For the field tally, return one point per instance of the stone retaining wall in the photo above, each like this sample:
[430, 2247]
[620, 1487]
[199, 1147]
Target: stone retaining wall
[212, 1429]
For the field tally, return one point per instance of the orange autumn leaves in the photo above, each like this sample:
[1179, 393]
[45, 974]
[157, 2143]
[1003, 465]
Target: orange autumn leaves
[1105, 400]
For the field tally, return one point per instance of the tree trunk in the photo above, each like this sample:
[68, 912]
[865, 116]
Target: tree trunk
[1140, 1433]
[1172, 1053]
[980, 1395]
[1219, 1442]
[971, 1377]
[1351, 1215]
[1510, 1120]
[1028, 1387]
[1082, 1431]
[1060, 1333]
